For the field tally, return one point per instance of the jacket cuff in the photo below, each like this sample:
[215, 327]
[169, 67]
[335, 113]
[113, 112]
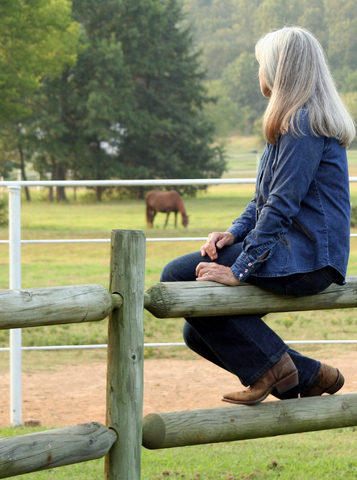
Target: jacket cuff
[236, 231]
[244, 266]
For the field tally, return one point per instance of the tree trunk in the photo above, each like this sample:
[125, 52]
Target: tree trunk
[53, 176]
[61, 175]
[98, 190]
[98, 193]
[23, 171]
[140, 193]
[50, 194]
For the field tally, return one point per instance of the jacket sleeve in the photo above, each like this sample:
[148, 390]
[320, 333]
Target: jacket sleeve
[294, 168]
[242, 225]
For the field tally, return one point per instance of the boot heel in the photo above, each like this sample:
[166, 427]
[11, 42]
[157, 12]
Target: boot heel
[288, 382]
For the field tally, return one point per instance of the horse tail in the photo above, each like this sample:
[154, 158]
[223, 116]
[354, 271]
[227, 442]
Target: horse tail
[150, 212]
[149, 217]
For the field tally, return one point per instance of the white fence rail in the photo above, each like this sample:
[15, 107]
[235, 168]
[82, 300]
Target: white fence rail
[14, 188]
[15, 242]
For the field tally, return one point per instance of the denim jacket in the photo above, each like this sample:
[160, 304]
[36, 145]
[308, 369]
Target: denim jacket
[300, 212]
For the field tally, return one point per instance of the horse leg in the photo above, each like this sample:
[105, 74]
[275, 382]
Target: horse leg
[149, 217]
[175, 219]
[167, 219]
[154, 212]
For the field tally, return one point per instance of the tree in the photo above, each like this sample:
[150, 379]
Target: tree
[223, 30]
[226, 30]
[168, 135]
[241, 81]
[223, 113]
[341, 18]
[132, 106]
[81, 113]
[38, 37]
[15, 150]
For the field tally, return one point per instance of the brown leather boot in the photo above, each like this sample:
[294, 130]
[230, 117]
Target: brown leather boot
[283, 375]
[328, 380]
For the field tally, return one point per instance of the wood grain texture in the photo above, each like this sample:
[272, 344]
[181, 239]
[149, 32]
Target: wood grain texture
[192, 299]
[54, 305]
[54, 448]
[126, 355]
[241, 422]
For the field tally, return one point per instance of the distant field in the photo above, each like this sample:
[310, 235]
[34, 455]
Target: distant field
[243, 162]
[70, 264]
[317, 455]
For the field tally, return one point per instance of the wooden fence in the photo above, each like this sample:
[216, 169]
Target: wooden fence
[120, 440]
[126, 431]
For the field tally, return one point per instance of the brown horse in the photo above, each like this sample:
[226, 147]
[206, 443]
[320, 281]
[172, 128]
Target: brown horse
[165, 202]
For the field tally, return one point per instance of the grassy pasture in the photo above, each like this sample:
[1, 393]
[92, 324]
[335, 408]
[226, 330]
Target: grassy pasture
[318, 455]
[70, 264]
[326, 455]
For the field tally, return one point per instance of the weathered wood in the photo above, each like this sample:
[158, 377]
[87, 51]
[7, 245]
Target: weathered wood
[54, 448]
[55, 305]
[192, 299]
[126, 355]
[241, 422]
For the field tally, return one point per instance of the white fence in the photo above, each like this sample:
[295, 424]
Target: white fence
[15, 241]
[14, 188]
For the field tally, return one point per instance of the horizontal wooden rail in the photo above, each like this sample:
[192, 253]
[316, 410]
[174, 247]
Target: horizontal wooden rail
[193, 299]
[241, 422]
[54, 448]
[55, 305]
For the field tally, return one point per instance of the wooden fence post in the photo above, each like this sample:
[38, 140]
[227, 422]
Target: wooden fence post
[126, 355]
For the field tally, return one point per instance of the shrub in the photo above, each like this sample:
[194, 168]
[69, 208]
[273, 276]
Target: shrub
[354, 216]
[4, 215]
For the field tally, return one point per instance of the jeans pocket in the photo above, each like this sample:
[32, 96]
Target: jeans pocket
[309, 284]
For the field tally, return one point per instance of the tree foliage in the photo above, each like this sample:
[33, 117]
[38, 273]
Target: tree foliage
[138, 90]
[229, 29]
[132, 106]
[37, 38]
[240, 80]
[169, 137]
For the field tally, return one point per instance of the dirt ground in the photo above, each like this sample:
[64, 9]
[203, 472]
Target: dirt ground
[76, 394]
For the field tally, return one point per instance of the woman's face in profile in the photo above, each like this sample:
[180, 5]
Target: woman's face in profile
[263, 86]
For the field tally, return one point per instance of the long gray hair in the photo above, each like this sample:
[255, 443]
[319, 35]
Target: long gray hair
[296, 72]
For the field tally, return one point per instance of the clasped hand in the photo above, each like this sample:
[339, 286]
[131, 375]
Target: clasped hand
[213, 271]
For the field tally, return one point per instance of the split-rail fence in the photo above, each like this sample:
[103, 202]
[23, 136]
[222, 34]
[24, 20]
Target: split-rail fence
[121, 440]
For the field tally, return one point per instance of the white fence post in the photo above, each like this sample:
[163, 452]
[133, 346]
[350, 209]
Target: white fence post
[15, 283]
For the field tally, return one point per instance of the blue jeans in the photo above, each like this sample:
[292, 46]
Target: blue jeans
[244, 344]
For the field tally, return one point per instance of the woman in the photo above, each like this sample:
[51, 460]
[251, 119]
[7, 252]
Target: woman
[293, 237]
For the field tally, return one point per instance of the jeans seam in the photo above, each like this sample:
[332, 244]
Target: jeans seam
[326, 275]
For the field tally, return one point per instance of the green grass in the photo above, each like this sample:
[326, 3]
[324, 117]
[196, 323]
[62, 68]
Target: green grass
[316, 455]
[325, 455]
[71, 264]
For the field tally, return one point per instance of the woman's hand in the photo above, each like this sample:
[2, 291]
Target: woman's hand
[216, 273]
[216, 240]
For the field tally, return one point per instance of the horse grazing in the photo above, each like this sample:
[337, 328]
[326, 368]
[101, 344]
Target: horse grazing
[164, 202]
